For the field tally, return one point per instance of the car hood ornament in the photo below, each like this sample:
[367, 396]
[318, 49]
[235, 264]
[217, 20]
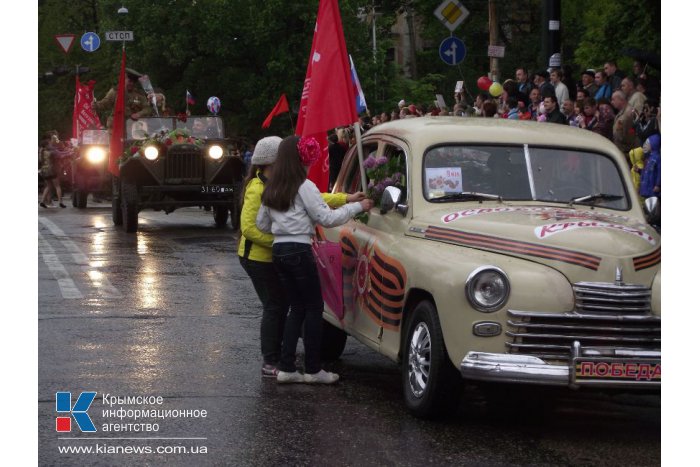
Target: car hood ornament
[618, 276]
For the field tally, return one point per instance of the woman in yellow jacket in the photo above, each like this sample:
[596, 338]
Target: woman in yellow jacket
[255, 252]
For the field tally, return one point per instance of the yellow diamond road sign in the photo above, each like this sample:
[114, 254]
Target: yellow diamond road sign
[451, 13]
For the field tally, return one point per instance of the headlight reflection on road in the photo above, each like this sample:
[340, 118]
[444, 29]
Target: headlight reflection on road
[148, 281]
[141, 244]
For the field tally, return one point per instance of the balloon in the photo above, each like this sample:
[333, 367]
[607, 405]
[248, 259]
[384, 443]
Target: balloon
[496, 89]
[483, 83]
[214, 105]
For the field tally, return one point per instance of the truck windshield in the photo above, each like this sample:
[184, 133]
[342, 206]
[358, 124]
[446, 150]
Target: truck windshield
[144, 128]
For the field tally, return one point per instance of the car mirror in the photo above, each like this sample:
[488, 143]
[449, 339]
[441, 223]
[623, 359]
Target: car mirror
[390, 199]
[652, 209]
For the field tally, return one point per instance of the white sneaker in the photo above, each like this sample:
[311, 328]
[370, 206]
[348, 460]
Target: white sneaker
[322, 377]
[289, 377]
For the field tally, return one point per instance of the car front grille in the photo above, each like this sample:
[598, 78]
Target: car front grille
[184, 164]
[606, 316]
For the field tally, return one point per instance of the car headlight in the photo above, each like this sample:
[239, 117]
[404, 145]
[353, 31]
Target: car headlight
[216, 152]
[487, 288]
[96, 154]
[151, 153]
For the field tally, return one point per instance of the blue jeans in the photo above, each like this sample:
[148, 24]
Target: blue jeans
[275, 306]
[296, 267]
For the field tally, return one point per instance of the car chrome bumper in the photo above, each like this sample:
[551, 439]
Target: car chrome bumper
[585, 368]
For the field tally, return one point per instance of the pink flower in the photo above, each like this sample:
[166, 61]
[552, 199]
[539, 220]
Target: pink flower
[309, 150]
[134, 150]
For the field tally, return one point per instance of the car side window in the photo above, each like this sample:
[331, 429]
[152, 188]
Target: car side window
[397, 158]
[352, 182]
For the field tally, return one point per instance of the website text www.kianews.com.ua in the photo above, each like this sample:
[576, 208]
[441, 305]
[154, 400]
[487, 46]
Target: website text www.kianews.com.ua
[101, 448]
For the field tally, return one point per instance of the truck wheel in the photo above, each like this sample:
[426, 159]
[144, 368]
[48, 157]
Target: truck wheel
[431, 384]
[236, 217]
[236, 206]
[332, 342]
[220, 216]
[80, 199]
[116, 203]
[130, 207]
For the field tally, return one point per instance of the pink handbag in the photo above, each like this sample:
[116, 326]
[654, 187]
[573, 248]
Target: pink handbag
[328, 261]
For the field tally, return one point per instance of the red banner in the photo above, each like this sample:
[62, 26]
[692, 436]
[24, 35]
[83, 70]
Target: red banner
[327, 99]
[116, 142]
[83, 114]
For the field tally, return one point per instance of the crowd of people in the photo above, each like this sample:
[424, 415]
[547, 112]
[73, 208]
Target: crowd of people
[624, 108]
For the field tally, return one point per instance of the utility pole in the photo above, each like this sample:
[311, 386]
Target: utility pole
[551, 32]
[411, 40]
[494, 72]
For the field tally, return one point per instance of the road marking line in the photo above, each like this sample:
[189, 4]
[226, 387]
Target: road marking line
[99, 279]
[65, 283]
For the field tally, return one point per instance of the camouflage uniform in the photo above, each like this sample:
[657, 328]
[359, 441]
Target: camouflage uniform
[134, 103]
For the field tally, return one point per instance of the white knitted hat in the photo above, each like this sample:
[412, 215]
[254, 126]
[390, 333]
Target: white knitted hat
[265, 152]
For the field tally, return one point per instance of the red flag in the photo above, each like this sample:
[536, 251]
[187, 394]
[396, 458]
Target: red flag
[116, 143]
[327, 100]
[280, 107]
[83, 114]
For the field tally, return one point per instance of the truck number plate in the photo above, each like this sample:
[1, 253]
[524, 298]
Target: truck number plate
[216, 189]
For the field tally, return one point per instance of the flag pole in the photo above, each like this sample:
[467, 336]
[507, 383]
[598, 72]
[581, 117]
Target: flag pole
[290, 120]
[360, 155]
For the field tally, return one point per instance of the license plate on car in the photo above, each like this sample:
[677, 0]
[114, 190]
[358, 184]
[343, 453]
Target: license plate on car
[217, 189]
[601, 370]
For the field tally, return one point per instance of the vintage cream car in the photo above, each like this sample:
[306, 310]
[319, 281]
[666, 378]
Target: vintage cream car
[514, 252]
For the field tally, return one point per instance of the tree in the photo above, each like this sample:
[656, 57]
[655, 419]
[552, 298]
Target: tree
[248, 52]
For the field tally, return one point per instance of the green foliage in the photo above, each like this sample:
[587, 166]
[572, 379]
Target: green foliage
[611, 27]
[248, 52]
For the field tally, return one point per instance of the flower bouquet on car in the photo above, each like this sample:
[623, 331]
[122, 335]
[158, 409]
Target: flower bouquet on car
[161, 138]
[381, 173]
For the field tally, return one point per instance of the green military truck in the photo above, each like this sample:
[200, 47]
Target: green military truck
[169, 163]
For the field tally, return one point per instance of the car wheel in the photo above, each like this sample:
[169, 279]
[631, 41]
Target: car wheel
[80, 199]
[431, 384]
[116, 203]
[220, 216]
[130, 207]
[332, 342]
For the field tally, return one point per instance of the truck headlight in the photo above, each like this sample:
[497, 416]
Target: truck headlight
[151, 153]
[216, 152]
[487, 288]
[96, 154]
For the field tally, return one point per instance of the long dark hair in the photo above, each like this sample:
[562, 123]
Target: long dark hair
[287, 176]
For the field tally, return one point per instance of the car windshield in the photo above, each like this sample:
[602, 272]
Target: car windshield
[203, 127]
[522, 173]
[95, 137]
[144, 128]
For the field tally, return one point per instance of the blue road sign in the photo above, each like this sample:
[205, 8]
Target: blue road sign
[90, 42]
[452, 51]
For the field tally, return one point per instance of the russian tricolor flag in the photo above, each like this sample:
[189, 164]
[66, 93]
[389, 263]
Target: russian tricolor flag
[360, 102]
[188, 98]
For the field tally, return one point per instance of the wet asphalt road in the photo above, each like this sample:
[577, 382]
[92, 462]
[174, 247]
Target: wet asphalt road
[168, 312]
